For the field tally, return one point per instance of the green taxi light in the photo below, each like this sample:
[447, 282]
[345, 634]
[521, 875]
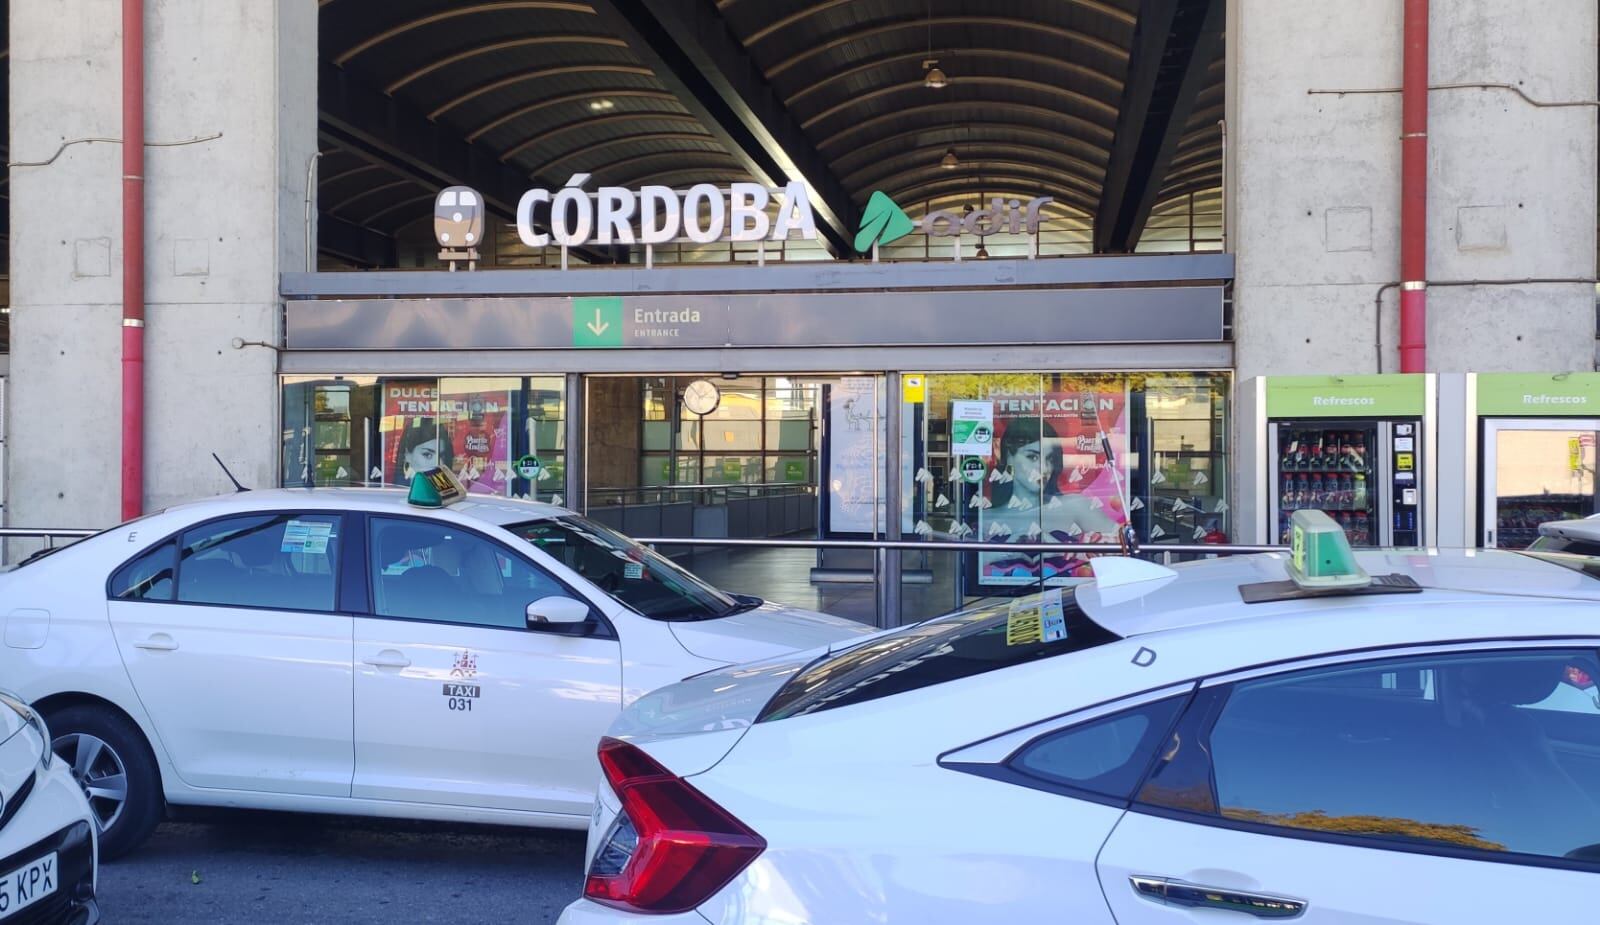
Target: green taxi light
[1320, 554]
[435, 488]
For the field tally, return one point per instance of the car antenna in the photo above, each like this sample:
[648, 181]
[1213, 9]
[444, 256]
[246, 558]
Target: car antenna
[228, 474]
[1127, 537]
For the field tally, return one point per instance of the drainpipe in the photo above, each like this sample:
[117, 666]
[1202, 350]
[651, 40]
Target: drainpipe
[132, 258]
[1414, 191]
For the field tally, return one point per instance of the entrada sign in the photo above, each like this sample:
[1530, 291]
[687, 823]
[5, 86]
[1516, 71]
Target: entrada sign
[702, 214]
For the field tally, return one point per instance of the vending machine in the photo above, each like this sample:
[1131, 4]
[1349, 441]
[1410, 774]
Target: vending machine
[1534, 436]
[1359, 448]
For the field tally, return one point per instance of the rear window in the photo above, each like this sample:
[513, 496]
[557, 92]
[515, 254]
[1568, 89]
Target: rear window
[1578, 562]
[989, 637]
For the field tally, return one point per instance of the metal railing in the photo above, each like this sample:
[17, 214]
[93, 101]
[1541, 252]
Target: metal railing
[49, 535]
[886, 569]
[699, 494]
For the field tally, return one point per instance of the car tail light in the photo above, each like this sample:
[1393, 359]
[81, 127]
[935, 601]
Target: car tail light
[671, 848]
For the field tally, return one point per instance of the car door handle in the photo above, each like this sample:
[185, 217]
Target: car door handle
[388, 658]
[1195, 896]
[159, 642]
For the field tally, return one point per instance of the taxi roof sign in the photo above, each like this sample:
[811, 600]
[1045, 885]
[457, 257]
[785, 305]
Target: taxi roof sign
[435, 488]
[1320, 554]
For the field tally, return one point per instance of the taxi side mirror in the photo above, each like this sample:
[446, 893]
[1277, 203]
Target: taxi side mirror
[557, 610]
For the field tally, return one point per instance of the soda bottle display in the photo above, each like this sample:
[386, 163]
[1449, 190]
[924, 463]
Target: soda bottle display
[1347, 491]
[1289, 501]
[1363, 530]
[1319, 453]
[1358, 453]
[1346, 450]
[1288, 461]
[1302, 452]
[1358, 494]
[1318, 497]
[1302, 491]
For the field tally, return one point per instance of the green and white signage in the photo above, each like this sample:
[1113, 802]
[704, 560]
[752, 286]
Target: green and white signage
[884, 222]
[1374, 396]
[972, 428]
[529, 467]
[1539, 394]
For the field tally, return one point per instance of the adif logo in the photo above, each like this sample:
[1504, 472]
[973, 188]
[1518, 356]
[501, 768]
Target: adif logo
[884, 222]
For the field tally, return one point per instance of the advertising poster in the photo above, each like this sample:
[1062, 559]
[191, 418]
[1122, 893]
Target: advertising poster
[1049, 481]
[855, 429]
[468, 432]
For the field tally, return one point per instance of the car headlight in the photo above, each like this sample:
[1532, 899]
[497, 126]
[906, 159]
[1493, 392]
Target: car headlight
[35, 719]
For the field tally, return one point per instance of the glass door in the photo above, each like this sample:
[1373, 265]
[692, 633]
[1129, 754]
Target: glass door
[1329, 466]
[1535, 471]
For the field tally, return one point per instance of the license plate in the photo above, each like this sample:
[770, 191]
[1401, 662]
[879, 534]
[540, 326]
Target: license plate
[26, 885]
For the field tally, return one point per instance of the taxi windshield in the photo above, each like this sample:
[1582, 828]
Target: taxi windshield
[990, 636]
[640, 578]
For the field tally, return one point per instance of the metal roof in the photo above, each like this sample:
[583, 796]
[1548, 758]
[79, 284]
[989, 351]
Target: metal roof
[678, 91]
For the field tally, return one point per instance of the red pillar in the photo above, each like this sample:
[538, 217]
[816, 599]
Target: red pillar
[1414, 191]
[132, 258]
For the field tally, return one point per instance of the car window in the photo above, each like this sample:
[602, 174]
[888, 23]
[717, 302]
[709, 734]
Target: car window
[1107, 756]
[149, 576]
[1450, 751]
[284, 561]
[641, 579]
[439, 572]
[989, 637]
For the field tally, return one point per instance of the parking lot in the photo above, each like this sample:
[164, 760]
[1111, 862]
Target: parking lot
[271, 867]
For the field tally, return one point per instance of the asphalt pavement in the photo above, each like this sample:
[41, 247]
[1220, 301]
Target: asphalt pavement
[268, 868]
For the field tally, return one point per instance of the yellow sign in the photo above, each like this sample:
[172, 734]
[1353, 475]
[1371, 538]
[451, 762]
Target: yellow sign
[1404, 462]
[1024, 628]
[914, 389]
[1574, 454]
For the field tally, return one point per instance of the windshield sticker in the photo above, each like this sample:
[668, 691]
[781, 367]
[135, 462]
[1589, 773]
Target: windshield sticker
[1052, 621]
[1030, 621]
[305, 536]
[1022, 624]
[633, 570]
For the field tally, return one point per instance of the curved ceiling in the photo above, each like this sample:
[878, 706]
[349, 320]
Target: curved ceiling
[1037, 98]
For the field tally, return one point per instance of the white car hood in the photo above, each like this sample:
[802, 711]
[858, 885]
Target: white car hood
[767, 631]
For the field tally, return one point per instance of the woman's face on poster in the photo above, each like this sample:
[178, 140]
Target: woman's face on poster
[424, 456]
[1029, 466]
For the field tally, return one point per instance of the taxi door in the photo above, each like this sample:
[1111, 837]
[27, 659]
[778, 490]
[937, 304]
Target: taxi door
[457, 701]
[237, 646]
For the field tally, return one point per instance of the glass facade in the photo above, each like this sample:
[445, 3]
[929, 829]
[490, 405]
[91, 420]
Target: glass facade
[378, 430]
[985, 457]
[763, 431]
[1060, 458]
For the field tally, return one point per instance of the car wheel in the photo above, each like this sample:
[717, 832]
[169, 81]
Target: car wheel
[111, 761]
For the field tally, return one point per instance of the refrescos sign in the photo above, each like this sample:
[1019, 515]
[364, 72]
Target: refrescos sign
[704, 213]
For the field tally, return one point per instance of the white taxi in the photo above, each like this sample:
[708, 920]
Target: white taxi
[47, 836]
[349, 651]
[1395, 736]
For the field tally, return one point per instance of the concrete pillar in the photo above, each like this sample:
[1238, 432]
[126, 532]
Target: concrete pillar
[613, 434]
[1314, 180]
[231, 124]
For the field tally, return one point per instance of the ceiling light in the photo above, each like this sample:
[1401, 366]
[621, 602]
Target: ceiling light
[934, 79]
[983, 252]
[601, 105]
[949, 161]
